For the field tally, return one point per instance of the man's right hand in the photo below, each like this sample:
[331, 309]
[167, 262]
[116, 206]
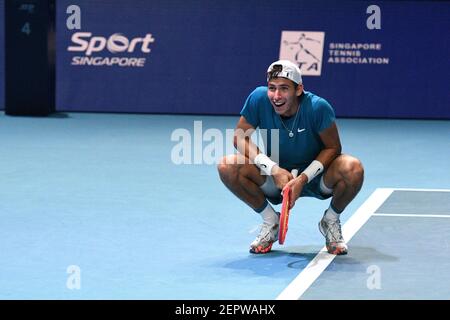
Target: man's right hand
[281, 176]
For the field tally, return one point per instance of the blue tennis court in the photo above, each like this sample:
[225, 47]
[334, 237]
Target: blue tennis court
[93, 207]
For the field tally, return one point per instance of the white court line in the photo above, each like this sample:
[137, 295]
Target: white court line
[412, 215]
[422, 190]
[320, 262]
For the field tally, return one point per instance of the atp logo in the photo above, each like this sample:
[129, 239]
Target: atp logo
[304, 48]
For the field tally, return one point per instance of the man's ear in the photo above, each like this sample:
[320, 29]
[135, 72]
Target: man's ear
[299, 90]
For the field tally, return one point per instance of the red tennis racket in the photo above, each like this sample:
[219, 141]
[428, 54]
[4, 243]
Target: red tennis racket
[284, 216]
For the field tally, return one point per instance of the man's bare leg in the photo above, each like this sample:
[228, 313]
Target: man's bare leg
[345, 177]
[244, 180]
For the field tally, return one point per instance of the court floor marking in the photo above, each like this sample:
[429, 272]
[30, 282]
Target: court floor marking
[422, 190]
[412, 215]
[320, 262]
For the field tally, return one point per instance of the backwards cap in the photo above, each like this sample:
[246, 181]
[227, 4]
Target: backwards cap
[284, 69]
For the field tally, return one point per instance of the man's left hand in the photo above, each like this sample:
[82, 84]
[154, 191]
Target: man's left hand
[296, 185]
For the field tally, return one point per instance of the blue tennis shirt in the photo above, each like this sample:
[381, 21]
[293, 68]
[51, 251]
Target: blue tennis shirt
[315, 115]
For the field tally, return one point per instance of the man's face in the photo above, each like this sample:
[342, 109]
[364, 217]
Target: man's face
[283, 96]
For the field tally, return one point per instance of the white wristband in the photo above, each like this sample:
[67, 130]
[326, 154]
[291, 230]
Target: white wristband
[264, 163]
[313, 170]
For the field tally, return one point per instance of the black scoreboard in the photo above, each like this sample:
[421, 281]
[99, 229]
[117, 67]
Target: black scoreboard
[30, 57]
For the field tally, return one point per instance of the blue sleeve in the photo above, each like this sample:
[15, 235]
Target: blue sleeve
[324, 115]
[250, 109]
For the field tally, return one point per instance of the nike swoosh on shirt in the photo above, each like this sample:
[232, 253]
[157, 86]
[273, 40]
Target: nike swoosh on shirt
[301, 130]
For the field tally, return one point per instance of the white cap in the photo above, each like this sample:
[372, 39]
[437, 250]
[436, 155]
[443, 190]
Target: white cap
[285, 69]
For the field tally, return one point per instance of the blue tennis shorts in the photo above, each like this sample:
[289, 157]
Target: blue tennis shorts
[315, 188]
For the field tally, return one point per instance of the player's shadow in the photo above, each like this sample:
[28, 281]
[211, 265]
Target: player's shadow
[280, 262]
[358, 254]
[276, 263]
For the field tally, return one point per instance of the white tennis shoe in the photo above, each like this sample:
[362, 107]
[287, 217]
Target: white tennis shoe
[331, 229]
[266, 237]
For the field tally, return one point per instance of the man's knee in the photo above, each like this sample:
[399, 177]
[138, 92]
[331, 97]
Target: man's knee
[353, 171]
[228, 170]
[233, 168]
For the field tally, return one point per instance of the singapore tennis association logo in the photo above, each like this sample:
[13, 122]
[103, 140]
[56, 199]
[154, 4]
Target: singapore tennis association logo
[304, 48]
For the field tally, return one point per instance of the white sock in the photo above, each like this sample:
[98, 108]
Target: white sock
[269, 215]
[331, 214]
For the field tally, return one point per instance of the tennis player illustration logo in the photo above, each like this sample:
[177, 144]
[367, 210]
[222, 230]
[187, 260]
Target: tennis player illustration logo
[304, 48]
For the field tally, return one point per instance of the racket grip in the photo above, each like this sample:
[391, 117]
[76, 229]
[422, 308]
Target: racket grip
[294, 173]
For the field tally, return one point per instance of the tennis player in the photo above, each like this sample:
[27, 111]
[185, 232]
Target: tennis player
[308, 141]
